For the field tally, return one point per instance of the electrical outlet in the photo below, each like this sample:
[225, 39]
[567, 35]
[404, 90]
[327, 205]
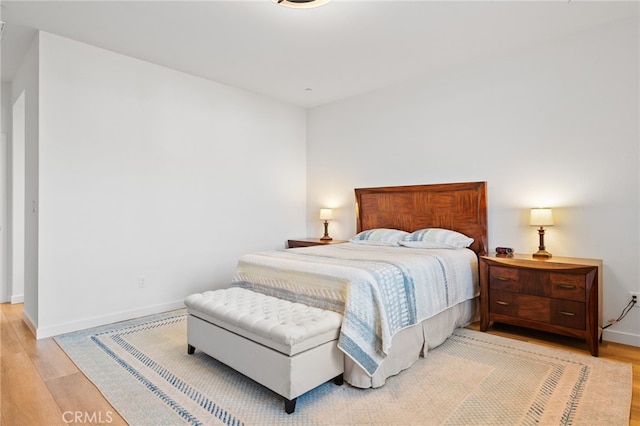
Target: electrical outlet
[637, 296]
[142, 282]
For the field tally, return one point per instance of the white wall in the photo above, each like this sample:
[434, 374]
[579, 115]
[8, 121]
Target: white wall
[555, 125]
[24, 148]
[5, 111]
[145, 172]
[3, 190]
[4, 174]
[5, 154]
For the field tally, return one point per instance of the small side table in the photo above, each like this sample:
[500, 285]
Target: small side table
[308, 242]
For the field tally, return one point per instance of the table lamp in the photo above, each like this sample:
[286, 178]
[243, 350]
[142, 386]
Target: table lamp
[541, 217]
[326, 215]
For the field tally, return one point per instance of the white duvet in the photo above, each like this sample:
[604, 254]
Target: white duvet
[379, 290]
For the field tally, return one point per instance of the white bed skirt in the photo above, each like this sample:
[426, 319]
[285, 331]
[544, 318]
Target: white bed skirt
[413, 342]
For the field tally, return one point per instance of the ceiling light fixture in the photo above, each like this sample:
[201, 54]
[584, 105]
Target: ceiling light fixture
[301, 4]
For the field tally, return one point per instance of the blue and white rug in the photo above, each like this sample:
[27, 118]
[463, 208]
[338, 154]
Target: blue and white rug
[142, 368]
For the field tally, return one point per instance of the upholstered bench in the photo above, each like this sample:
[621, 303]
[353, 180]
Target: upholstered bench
[288, 347]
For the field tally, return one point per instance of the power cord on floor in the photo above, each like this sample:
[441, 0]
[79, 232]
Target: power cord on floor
[624, 313]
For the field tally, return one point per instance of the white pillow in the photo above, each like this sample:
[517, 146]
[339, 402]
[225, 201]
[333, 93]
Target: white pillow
[436, 238]
[379, 237]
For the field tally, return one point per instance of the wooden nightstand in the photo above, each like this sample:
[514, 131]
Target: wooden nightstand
[560, 295]
[308, 242]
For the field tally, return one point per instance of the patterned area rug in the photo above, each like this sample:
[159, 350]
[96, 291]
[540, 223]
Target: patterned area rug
[142, 368]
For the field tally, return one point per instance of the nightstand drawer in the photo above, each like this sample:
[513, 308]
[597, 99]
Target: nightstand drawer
[568, 286]
[504, 302]
[501, 278]
[568, 313]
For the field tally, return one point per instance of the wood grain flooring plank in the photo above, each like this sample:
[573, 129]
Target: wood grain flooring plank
[77, 396]
[26, 400]
[51, 361]
[9, 342]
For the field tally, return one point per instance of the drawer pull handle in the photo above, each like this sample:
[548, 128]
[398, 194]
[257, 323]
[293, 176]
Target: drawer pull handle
[500, 302]
[566, 286]
[567, 314]
[503, 279]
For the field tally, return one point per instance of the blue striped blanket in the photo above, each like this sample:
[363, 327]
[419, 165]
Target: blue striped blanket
[379, 290]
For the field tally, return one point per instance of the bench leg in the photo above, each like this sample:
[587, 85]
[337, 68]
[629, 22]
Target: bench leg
[190, 349]
[339, 380]
[290, 405]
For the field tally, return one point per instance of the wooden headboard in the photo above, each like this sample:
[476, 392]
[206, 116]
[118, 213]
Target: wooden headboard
[461, 207]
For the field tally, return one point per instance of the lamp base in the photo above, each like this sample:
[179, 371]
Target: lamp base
[326, 236]
[542, 254]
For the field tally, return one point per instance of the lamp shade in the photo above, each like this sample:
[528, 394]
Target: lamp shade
[326, 214]
[541, 217]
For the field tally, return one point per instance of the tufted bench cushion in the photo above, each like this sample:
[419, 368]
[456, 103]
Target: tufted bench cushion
[285, 326]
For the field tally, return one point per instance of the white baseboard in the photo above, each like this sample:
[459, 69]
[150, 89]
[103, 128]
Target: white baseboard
[54, 330]
[621, 337]
[17, 298]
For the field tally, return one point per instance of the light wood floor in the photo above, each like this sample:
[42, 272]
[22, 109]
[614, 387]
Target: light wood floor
[39, 385]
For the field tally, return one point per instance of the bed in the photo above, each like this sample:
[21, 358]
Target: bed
[389, 319]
